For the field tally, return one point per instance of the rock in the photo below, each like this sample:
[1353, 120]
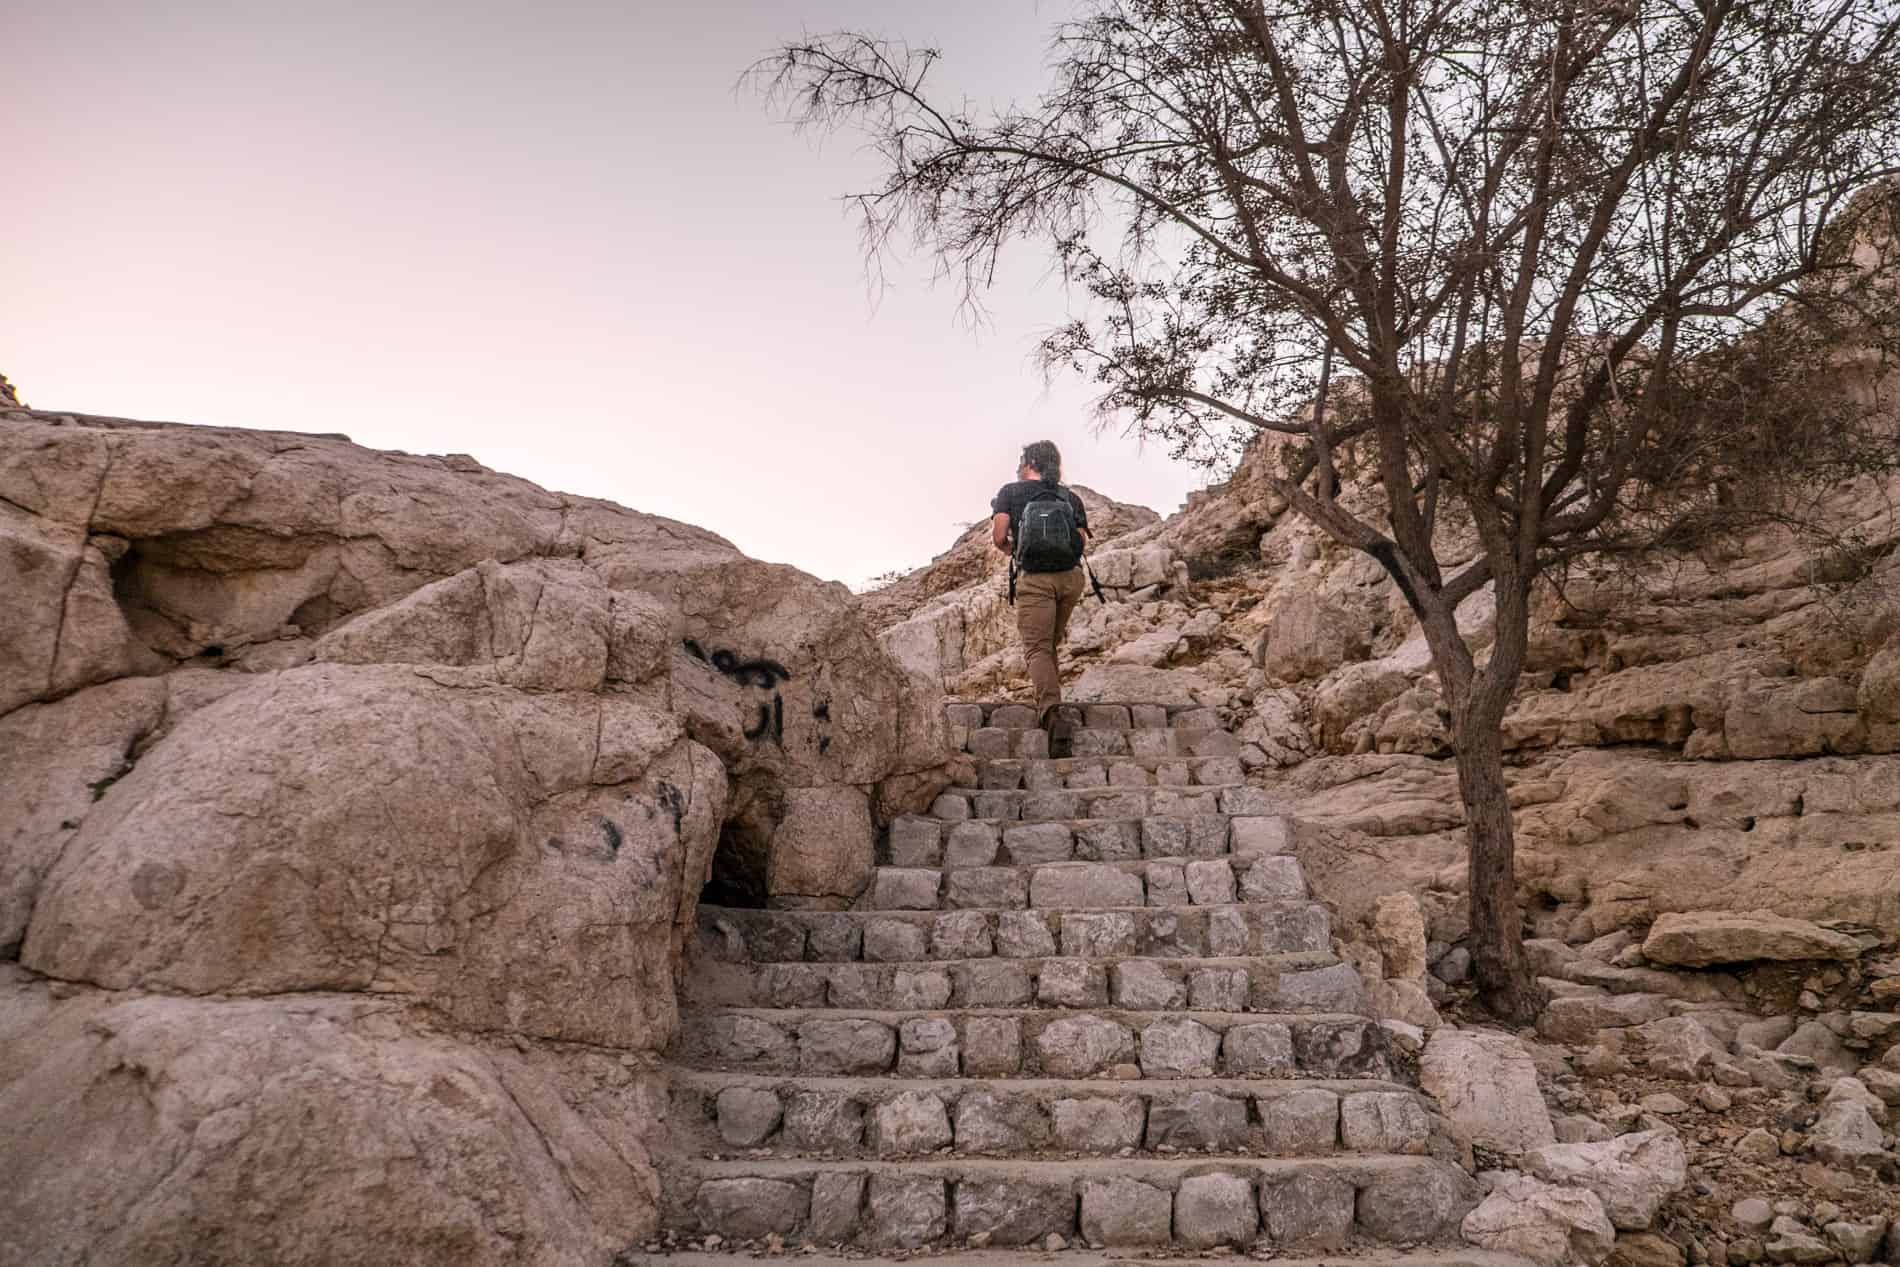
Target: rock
[836, 1199]
[1098, 1124]
[1306, 1210]
[1752, 1214]
[747, 1115]
[822, 1121]
[1398, 930]
[1854, 1091]
[1677, 1047]
[1263, 1048]
[1577, 1129]
[1179, 1048]
[1632, 1174]
[1300, 1123]
[158, 1165]
[992, 1046]
[1199, 1121]
[1845, 1134]
[1757, 1146]
[1766, 1034]
[1077, 1046]
[1215, 1209]
[1486, 1084]
[1696, 939]
[1013, 1211]
[1664, 1104]
[1310, 636]
[825, 846]
[1857, 1241]
[910, 1122]
[1577, 1019]
[1116, 683]
[1546, 1224]
[906, 1211]
[1415, 1205]
[845, 1047]
[745, 1208]
[1815, 1041]
[1645, 1249]
[1790, 1242]
[1384, 1122]
[987, 1123]
[1883, 1083]
[1118, 1212]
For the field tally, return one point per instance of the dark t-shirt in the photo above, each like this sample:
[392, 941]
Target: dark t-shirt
[1011, 498]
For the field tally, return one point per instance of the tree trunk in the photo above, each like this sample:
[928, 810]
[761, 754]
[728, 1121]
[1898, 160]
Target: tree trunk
[1507, 988]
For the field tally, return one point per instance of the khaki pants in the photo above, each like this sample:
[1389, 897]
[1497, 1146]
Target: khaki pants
[1043, 603]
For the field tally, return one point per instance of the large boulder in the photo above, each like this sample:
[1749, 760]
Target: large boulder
[1542, 1222]
[1696, 939]
[329, 1130]
[1486, 1084]
[1632, 1174]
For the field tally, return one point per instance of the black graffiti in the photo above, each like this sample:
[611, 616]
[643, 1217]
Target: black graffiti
[758, 672]
[675, 803]
[611, 830]
[771, 720]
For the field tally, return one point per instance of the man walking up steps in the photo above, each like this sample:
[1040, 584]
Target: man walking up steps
[1043, 527]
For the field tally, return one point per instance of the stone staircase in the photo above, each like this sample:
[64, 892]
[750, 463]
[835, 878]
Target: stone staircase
[1087, 1002]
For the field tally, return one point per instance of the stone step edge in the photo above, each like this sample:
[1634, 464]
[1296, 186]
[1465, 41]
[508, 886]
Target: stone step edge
[1028, 1256]
[1068, 765]
[713, 1079]
[1162, 1168]
[1128, 1016]
[1286, 904]
[1123, 864]
[1285, 960]
[1104, 789]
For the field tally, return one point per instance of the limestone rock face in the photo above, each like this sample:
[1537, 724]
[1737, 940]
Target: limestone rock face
[149, 1129]
[1696, 939]
[369, 830]
[335, 786]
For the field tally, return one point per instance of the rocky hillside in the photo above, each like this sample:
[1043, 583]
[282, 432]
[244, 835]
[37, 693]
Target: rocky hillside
[354, 807]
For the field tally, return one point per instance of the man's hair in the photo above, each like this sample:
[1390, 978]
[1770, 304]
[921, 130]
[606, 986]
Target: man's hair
[1045, 459]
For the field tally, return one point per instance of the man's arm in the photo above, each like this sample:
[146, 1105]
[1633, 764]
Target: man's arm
[999, 531]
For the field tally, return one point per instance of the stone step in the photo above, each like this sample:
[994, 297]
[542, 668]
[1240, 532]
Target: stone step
[1318, 1203]
[1033, 1256]
[959, 803]
[1010, 1041]
[1101, 741]
[914, 841]
[1276, 983]
[740, 935]
[714, 1114]
[1010, 715]
[1086, 886]
[1044, 774]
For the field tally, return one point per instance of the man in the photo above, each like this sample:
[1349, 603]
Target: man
[1050, 584]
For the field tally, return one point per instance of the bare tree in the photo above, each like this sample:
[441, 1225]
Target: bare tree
[1500, 256]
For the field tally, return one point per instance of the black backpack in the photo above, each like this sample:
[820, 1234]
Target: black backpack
[1046, 539]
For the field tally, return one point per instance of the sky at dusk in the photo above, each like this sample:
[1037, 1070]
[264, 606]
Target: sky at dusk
[557, 236]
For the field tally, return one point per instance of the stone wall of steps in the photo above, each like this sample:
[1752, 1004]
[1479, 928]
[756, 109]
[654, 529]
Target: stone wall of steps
[1088, 998]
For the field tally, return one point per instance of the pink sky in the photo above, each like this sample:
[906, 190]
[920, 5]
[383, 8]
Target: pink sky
[551, 235]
